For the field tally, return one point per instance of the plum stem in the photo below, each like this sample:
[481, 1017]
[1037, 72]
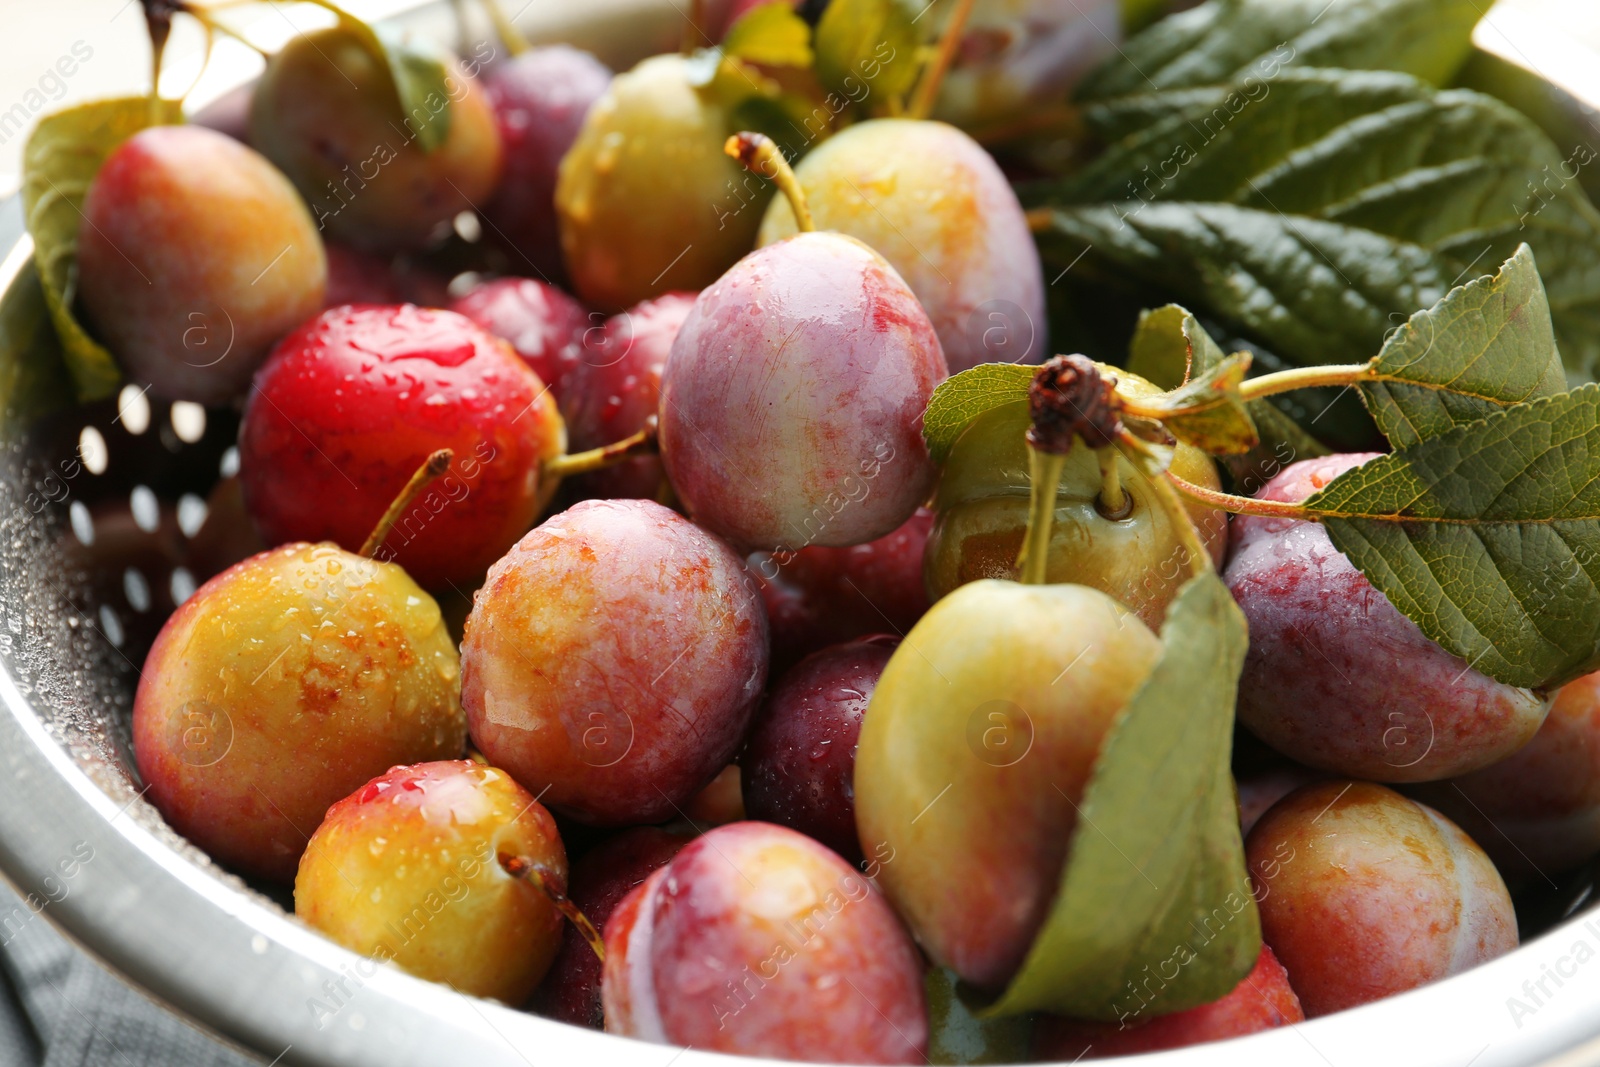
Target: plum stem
[691, 28]
[435, 465]
[1112, 502]
[1240, 505]
[927, 91]
[1044, 475]
[761, 156]
[504, 28]
[1284, 381]
[642, 443]
[536, 876]
[1155, 467]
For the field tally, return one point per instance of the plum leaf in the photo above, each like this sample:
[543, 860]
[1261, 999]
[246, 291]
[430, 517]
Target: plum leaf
[1155, 879]
[421, 76]
[963, 397]
[1207, 411]
[865, 48]
[771, 34]
[1310, 290]
[62, 156]
[1226, 39]
[33, 377]
[1169, 346]
[1458, 173]
[1487, 536]
[1485, 346]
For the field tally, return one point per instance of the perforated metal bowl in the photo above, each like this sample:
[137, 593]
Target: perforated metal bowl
[103, 524]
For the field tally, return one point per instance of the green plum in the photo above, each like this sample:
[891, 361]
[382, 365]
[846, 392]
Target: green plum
[982, 512]
[974, 755]
[325, 112]
[646, 199]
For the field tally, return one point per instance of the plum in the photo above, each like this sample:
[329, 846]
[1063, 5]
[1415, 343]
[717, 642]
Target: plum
[1262, 1001]
[617, 386]
[612, 661]
[600, 879]
[720, 802]
[982, 507]
[935, 205]
[1336, 677]
[1017, 58]
[974, 755]
[800, 759]
[646, 198]
[359, 277]
[326, 113]
[194, 256]
[758, 941]
[544, 325]
[540, 98]
[1536, 812]
[791, 406]
[350, 404]
[1364, 893]
[282, 685]
[407, 869]
[821, 596]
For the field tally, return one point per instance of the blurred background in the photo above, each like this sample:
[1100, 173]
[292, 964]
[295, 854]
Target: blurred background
[111, 34]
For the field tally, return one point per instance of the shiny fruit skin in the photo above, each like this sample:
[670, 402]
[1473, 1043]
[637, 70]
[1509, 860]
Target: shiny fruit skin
[539, 99]
[974, 754]
[791, 406]
[194, 256]
[799, 762]
[407, 870]
[982, 509]
[1336, 677]
[819, 596]
[935, 205]
[601, 877]
[325, 113]
[758, 941]
[352, 403]
[282, 685]
[1018, 59]
[1365, 894]
[646, 199]
[1262, 1001]
[612, 661]
[544, 325]
[617, 386]
[1536, 812]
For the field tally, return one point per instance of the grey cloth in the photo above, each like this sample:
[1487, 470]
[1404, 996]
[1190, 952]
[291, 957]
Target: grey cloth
[59, 1008]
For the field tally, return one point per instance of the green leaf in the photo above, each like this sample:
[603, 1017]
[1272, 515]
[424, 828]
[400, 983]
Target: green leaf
[867, 48]
[1485, 346]
[773, 35]
[61, 158]
[957, 1032]
[1155, 878]
[1207, 411]
[963, 397]
[33, 379]
[1169, 345]
[1225, 40]
[421, 75]
[1488, 536]
[1456, 172]
[1310, 290]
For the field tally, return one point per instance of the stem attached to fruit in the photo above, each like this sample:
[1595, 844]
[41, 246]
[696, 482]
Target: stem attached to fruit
[505, 29]
[762, 157]
[1044, 475]
[1155, 469]
[642, 443]
[158, 21]
[1241, 505]
[1284, 381]
[534, 875]
[1112, 502]
[436, 465]
[692, 33]
[927, 91]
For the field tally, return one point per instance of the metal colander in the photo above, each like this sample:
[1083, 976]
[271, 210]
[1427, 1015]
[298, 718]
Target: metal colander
[112, 512]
